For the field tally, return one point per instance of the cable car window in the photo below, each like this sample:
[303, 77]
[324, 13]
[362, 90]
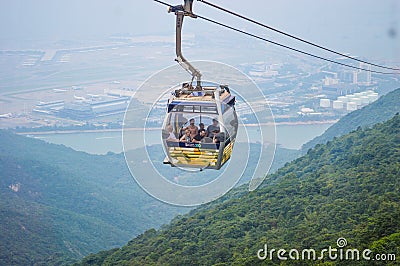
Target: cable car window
[209, 109]
[188, 108]
[177, 108]
[230, 121]
[193, 109]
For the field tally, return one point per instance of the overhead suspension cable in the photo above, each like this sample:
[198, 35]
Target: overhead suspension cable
[292, 36]
[290, 48]
[279, 44]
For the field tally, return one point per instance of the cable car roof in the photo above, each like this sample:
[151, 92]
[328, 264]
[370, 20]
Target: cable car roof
[206, 94]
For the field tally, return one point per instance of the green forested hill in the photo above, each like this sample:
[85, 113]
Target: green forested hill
[381, 110]
[57, 205]
[348, 188]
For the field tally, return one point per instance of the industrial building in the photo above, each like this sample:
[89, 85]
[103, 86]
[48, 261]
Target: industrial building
[83, 109]
[350, 102]
[77, 111]
[87, 110]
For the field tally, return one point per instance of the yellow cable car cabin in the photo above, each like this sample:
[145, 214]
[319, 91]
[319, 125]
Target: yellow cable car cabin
[210, 105]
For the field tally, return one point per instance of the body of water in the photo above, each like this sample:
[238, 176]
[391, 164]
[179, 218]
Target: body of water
[288, 136]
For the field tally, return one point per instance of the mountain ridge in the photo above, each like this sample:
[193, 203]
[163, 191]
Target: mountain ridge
[348, 188]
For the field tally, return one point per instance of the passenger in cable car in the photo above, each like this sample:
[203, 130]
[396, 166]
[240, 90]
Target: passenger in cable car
[213, 129]
[201, 127]
[186, 137]
[192, 128]
[171, 134]
[219, 137]
[200, 136]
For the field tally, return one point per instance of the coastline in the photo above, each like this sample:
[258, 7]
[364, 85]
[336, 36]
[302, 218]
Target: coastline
[74, 131]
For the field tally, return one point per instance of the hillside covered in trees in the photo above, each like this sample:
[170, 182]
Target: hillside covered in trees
[348, 188]
[58, 205]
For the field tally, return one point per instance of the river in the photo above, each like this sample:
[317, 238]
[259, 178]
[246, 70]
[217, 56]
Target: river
[288, 136]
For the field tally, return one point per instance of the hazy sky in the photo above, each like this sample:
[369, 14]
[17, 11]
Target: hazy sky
[357, 26]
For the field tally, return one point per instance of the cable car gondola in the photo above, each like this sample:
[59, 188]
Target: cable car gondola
[202, 102]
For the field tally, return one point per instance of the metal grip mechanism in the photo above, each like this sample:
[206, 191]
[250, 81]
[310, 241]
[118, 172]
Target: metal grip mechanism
[181, 11]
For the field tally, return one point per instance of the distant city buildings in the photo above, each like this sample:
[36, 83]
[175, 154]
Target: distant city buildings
[264, 70]
[348, 76]
[364, 77]
[333, 90]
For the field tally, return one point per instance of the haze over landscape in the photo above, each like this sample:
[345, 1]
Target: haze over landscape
[364, 28]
